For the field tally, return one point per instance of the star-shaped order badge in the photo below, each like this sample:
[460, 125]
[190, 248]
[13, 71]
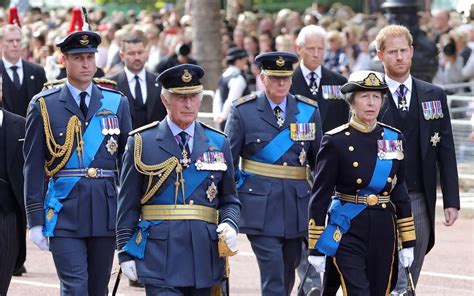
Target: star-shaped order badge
[112, 146]
[435, 139]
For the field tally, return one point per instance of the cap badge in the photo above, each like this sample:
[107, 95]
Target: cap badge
[372, 80]
[84, 40]
[280, 62]
[187, 77]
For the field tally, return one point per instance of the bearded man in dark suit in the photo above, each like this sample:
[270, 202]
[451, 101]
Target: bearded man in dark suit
[139, 85]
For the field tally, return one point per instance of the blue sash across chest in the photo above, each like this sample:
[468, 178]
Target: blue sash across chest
[60, 187]
[193, 178]
[341, 215]
[280, 144]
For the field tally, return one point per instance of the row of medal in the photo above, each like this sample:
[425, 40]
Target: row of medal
[303, 131]
[432, 110]
[110, 126]
[332, 92]
[211, 161]
[390, 149]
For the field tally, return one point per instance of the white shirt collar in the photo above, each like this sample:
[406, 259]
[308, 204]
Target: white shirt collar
[394, 85]
[131, 76]
[306, 71]
[1, 117]
[8, 65]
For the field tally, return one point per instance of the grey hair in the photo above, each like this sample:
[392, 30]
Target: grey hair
[309, 30]
[167, 94]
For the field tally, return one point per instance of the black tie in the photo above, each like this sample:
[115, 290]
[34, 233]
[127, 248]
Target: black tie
[82, 104]
[138, 91]
[313, 86]
[402, 101]
[16, 78]
[279, 116]
[183, 143]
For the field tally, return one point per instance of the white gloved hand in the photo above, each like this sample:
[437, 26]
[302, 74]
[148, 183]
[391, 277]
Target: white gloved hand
[36, 235]
[129, 269]
[230, 235]
[406, 256]
[318, 262]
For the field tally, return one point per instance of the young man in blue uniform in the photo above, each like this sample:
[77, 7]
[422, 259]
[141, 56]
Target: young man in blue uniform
[178, 196]
[75, 137]
[275, 136]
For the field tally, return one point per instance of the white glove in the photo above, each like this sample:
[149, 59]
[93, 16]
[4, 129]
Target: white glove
[230, 235]
[318, 262]
[129, 269]
[36, 235]
[406, 256]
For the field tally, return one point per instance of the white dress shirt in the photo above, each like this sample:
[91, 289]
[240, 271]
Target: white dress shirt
[131, 82]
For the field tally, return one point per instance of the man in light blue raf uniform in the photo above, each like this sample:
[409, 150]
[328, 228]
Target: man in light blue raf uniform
[75, 137]
[276, 136]
[178, 196]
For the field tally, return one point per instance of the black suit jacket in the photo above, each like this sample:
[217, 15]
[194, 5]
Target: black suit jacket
[333, 112]
[34, 78]
[15, 136]
[155, 110]
[441, 156]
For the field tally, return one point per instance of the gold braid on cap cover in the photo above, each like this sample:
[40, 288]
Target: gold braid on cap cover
[56, 150]
[161, 170]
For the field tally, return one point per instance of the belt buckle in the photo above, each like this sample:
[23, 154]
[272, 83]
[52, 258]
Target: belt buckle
[92, 173]
[372, 200]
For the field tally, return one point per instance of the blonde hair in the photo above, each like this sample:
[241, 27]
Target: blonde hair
[390, 32]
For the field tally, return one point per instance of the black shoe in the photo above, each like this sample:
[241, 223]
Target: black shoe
[20, 271]
[136, 284]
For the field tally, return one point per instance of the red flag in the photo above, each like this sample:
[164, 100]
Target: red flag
[76, 20]
[13, 16]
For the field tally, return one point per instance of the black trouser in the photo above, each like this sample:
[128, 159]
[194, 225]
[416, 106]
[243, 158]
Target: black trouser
[10, 236]
[365, 257]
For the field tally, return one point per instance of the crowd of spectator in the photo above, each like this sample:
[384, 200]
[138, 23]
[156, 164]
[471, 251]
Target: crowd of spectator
[350, 38]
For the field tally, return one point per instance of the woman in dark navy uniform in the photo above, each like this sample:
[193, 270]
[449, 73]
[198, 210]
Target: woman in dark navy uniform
[360, 165]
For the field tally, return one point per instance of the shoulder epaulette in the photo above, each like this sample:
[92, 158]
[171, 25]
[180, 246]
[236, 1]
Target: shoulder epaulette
[45, 92]
[337, 129]
[245, 99]
[212, 128]
[101, 87]
[104, 81]
[145, 127]
[390, 127]
[306, 100]
[54, 83]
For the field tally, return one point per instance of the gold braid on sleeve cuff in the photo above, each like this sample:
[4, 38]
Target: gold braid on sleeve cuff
[314, 232]
[406, 228]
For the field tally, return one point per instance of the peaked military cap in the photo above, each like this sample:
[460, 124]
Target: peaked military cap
[235, 53]
[276, 63]
[79, 42]
[182, 79]
[364, 80]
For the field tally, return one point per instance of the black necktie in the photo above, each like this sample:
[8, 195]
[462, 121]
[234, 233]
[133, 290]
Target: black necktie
[402, 101]
[313, 86]
[279, 116]
[183, 143]
[82, 104]
[138, 91]
[16, 78]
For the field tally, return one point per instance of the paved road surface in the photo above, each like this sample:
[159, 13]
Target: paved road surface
[448, 269]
